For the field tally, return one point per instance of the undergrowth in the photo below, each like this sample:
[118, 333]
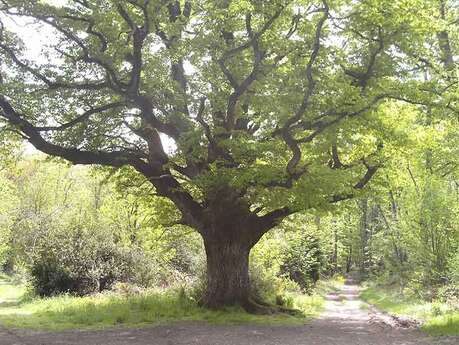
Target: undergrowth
[142, 308]
[437, 318]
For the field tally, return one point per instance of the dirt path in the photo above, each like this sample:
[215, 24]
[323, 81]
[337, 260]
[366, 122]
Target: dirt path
[344, 322]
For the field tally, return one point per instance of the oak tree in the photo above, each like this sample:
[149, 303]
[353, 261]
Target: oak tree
[269, 107]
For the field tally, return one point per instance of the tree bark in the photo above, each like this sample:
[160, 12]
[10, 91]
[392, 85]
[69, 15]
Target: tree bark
[229, 231]
[227, 273]
[364, 237]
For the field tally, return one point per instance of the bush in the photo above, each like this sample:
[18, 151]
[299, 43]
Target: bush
[302, 261]
[139, 268]
[84, 261]
[449, 294]
[453, 268]
[270, 287]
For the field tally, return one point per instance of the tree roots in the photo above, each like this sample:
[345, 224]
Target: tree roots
[254, 305]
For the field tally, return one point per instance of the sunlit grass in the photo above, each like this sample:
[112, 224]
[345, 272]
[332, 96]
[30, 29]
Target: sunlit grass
[447, 324]
[146, 308]
[310, 305]
[437, 318]
[10, 292]
[327, 286]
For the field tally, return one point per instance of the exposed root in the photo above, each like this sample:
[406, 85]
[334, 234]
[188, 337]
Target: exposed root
[254, 305]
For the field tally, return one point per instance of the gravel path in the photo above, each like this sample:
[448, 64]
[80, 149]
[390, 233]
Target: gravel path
[344, 322]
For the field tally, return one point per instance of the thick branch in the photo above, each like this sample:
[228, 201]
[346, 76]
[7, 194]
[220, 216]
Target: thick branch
[360, 184]
[258, 56]
[114, 159]
[161, 178]
[286, 129]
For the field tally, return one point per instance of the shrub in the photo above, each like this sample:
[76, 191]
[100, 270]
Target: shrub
[302, 261]
[453, 268]
[84, 261]
[449, 294]
[139, 268]
[270, 287]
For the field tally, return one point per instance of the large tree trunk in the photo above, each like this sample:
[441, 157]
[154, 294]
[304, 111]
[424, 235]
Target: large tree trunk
[227, 273]
[230, 230]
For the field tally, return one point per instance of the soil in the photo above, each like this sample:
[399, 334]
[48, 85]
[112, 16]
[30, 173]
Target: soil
[344, 322]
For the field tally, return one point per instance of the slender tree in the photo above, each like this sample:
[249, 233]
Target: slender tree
[272, 107]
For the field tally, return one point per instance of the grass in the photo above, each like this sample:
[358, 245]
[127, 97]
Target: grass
[437, 318]
[10, 292]
[146, 308]
[334, 284]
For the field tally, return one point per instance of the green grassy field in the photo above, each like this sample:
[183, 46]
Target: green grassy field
[437, 318]
[146, 308]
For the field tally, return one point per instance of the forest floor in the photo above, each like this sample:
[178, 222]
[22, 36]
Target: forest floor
[345, 321]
